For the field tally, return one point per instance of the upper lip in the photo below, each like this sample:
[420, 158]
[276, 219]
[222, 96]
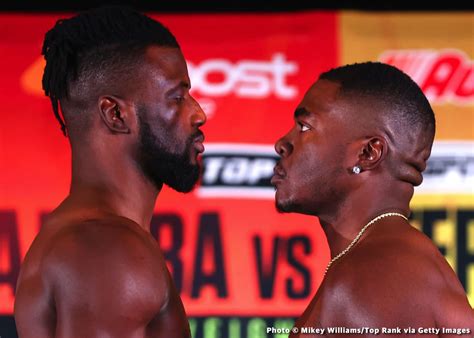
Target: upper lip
[278, 171]
[199, 138]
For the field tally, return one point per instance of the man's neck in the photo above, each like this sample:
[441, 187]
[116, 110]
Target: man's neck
[361, 207]
[114, 187]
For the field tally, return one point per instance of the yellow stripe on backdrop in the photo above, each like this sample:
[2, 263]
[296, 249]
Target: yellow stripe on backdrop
[368, 36]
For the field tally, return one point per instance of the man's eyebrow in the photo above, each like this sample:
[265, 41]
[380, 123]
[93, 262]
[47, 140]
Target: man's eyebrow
[299, 112]
[180, 85]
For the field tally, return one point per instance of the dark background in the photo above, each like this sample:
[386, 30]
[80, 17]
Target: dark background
[190, 6]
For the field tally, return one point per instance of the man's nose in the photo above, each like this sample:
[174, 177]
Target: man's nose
[199, 116]
[283, 147]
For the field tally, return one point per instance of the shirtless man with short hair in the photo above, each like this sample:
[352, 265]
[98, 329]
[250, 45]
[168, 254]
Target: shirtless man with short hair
[361, 139]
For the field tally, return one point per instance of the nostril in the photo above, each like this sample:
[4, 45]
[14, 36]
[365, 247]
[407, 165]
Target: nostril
[282, 147]
[278, 147]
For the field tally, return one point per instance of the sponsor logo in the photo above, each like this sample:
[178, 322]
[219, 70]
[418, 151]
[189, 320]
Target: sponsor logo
[245, 79]
[450, 169]
[444, 75]
[238, 170]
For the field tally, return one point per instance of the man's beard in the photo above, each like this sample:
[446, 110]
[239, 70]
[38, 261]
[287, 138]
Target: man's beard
[287, 206]
[284, 207]
[164, 167]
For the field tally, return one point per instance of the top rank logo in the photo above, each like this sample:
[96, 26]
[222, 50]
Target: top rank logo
[238, 170]
[444, 75]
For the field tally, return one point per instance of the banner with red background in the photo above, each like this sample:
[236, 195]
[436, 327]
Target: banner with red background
[240, 266]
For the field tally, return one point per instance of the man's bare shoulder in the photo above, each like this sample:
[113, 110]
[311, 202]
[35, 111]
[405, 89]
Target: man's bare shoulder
[89, 268]
[112, 235]
[105, 248]
[409, 258]
[397, 278]
[97, 253]
[102, 238]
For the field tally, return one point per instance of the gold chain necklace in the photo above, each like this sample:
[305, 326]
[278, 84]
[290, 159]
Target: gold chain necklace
[343, 252]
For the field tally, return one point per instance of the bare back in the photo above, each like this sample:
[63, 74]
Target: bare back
[393, 278]
[103, 277]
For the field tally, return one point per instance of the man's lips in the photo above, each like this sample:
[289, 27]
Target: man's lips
[278, 175]
[198, 143]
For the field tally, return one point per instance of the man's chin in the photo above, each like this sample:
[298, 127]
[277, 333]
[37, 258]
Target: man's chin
[284, 207]
[182, 188]
[185, 181]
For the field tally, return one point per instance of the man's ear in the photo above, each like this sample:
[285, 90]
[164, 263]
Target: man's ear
[372, 153]
[115, 114]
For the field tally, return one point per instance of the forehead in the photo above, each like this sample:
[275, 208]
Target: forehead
[166, 62]
[162, 71]
[322, 96]
[351, 114]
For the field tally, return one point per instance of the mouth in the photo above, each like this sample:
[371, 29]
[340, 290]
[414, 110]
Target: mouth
[278, 175]
[198, 143]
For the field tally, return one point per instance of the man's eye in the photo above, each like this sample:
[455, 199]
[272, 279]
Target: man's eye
[179, 98]
[303, 127]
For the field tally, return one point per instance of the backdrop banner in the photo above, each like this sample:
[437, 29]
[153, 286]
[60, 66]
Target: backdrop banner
[240, 266]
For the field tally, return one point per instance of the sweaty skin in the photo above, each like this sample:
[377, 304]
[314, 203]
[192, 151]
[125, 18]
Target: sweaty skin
[394, 276]
[95, 277]
[378, 285]
[94, 270]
